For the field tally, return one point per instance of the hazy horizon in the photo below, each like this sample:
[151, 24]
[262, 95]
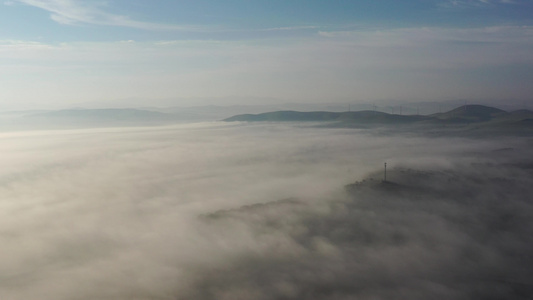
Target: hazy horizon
[58, 54]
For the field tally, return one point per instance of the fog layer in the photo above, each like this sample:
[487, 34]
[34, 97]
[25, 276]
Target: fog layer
[218, 211]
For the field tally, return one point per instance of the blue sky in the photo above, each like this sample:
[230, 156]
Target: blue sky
[63, 53]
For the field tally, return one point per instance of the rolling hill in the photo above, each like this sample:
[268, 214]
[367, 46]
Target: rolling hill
[468, 120]
[470, 113]
[465, 114]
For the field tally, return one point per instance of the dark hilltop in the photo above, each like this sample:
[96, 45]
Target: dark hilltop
[472, 120]
[424, 234]
[463, 114]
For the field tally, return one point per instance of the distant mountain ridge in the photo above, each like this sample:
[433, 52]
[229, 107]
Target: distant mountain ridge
[463, 119]
[114, 114]
[85, 118]
[465, 114]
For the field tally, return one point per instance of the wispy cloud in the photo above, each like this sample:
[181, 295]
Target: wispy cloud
[414, 37]
[17, 45]
[474, 3]
[291, 28]
[408, 63]
[71, 12]
[74, 12]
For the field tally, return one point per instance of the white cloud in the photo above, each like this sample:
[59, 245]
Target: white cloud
[425, 35]
[70, 12]
[473, 3]
[290, 28]
[13, 46]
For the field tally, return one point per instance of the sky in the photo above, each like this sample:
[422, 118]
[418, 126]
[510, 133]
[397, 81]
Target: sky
[68, 53]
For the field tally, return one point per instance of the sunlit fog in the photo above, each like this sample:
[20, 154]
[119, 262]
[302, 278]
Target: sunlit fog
[262, 211]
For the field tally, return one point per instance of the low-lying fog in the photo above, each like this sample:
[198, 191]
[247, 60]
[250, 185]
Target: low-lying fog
[262, 211]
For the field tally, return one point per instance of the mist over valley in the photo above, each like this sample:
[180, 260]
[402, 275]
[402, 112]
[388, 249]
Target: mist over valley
[228, 210]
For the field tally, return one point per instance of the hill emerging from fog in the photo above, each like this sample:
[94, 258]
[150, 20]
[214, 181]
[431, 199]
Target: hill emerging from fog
[468, 119]
[467, 114]
[460, 232]
[87, 118]
[364, 116]
[104, 115]
[472, 113]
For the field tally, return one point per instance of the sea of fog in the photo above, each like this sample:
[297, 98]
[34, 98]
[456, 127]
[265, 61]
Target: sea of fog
[263, 211]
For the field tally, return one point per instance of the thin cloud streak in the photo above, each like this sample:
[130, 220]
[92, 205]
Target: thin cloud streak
[409, 63]
[423, 35]
[71, 12]
[474, 3]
